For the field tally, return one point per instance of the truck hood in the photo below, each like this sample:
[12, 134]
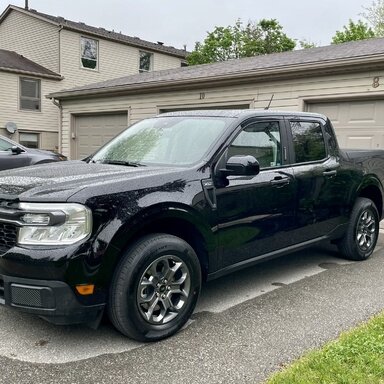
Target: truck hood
[59, 181]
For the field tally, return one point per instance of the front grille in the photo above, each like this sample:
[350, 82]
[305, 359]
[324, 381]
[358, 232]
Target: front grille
[8, 235]
[26, 295]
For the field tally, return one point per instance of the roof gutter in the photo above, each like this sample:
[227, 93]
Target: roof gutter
[29, 73]
[286, 72]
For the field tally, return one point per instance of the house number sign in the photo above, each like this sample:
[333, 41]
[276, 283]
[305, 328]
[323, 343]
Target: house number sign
[376, 82]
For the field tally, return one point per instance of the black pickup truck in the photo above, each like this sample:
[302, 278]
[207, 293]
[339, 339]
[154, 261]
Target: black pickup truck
[134, 229]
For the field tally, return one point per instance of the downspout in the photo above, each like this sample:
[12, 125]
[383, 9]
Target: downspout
[58, 105]
[60, 29]
[56, 102]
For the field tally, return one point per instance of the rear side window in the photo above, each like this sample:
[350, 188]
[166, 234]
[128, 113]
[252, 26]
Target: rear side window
[308, 141]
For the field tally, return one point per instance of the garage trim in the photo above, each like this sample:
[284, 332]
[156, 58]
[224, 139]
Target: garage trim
[331, 98]
[243, 104]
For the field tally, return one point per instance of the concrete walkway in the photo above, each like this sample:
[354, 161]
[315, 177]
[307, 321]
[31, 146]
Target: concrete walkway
[242, 342]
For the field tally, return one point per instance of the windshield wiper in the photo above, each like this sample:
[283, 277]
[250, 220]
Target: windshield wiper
[122, 162]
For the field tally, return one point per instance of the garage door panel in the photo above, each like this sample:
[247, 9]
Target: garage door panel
[360, 142]
[364, 113]
[330, 110]
[358, 124]
[92, 131]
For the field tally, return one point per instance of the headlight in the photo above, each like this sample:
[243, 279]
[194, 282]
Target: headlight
[54, 224]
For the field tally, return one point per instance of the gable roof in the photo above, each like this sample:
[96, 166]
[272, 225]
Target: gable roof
[332, 59]
[13, 62]
[98, 32]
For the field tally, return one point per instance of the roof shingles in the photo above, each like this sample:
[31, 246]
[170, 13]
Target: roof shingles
[13, 62]
[103, 33]
[326, 56]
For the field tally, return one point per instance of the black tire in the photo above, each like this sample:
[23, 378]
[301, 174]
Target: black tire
[155, 288]
[360, 239]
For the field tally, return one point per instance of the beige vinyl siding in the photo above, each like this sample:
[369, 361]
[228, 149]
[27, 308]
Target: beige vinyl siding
[114, 60]
[161, 62]
[35, 39]
[288, 95]
[45, 121]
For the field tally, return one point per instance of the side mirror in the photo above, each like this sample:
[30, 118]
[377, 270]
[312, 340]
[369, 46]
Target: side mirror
[241, 166]
[16, 150]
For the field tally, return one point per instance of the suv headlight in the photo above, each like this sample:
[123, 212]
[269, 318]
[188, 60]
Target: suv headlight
[53, 224]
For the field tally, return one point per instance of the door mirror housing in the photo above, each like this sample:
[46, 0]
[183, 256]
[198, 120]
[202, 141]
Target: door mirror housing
[16, 150]
[241, 166]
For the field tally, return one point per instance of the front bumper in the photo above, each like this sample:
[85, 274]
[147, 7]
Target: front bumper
[54, 301]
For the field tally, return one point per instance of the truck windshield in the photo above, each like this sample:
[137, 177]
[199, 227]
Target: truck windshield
[176, 140]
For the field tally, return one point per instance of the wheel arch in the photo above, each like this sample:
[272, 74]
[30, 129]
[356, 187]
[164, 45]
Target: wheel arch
[178, 220]
[372, 190]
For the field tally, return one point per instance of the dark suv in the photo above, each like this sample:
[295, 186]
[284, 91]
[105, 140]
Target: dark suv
[14, 155]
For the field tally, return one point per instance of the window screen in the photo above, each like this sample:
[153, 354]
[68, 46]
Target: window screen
[30, 94]
[30, 140]
[89, 54]
[308, 141]
[146, 59]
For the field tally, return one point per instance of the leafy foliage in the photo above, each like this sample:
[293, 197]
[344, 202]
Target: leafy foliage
[353, 32]
[375, 17]
[305, 44]
[233, 42]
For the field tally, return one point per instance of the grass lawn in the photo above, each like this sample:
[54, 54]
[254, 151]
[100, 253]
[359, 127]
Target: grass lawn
[356, 357]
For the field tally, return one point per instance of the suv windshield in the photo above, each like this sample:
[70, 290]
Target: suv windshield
[176, 140]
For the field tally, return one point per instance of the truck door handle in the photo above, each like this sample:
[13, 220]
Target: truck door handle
[330, 173]
[280, 181]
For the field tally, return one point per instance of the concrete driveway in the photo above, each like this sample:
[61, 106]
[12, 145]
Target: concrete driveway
[246, 326]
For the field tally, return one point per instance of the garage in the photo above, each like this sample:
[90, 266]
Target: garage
[358, 123]
[92, 131]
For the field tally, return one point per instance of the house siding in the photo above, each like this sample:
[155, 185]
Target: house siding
[288, 95]
[58, 49]
[35, 39]
[26, 121]
[161, 62]
[114, 60]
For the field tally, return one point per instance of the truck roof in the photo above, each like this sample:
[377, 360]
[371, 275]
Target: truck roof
[240, 113]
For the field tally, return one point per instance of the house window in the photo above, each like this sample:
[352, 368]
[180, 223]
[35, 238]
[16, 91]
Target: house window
[146, 61]
[30, 94]
[30, 140]
[89, 52]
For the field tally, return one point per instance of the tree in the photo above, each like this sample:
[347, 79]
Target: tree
[233, 42]
[305, 44]
[375, 17]
[353, 32]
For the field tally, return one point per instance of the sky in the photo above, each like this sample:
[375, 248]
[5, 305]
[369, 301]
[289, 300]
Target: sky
[180, 22]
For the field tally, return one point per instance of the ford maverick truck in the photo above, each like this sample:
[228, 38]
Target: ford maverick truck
[134, 229]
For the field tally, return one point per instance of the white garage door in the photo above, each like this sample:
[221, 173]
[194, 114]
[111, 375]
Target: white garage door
[92, 131]
[358, 124]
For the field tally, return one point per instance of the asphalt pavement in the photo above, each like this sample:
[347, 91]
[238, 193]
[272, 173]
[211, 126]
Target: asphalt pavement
[246, 326]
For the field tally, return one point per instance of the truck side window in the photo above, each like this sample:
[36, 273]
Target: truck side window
[261, 140]
[308, 141]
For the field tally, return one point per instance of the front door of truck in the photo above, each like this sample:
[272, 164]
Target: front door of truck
[256, 213]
